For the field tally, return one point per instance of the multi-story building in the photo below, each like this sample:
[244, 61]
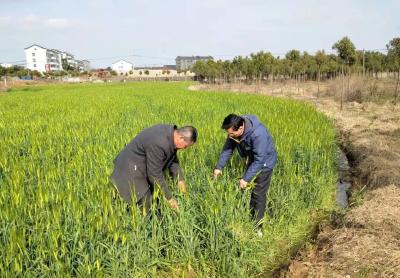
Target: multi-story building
[37, 58]
[184, 63]
[70, 60]
[46, 60]
[53, 60]
[85, 65]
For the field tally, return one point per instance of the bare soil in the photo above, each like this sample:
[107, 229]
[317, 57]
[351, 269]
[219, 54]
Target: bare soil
[364, 242]
[15, 83]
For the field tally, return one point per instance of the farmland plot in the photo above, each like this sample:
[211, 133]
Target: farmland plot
[57, 212]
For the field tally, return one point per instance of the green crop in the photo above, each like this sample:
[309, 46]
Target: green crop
[57, 212]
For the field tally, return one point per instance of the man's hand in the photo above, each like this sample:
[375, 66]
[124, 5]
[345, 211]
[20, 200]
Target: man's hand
[182, 186]
[217, 173]
[243, 184]
[173, 204]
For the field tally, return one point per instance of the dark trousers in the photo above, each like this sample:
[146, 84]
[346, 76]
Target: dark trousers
[126, 190]
[145, 202]
[259, 195]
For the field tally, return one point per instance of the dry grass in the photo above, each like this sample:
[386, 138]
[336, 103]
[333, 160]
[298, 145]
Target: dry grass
[15, 83]
[365, 245]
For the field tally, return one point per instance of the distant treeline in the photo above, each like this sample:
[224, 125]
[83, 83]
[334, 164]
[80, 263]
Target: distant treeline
[303, 66]
[21, 71]
[18, 71]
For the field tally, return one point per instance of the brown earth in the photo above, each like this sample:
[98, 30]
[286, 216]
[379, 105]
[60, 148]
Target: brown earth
[364, 242]
[16, 83]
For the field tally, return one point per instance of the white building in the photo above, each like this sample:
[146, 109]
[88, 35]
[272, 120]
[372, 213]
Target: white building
[84, 65]
[54, 59]
[37, 58]
[70, 59]
[122, 66]
[46, 60]
[5, 65]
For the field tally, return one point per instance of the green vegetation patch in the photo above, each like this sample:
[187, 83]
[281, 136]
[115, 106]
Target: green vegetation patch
[58, 216]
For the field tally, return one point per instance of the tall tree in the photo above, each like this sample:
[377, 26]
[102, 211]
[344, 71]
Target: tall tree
[200, 70]
[374, 62]
[293, 58]
[347, 55]
[321, 60]
[346, 51]
[394, 59]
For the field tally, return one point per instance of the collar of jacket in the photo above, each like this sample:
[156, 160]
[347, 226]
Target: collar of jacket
[248, 129]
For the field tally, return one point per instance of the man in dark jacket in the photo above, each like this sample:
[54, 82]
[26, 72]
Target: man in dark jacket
[139, 167]
[255, 144]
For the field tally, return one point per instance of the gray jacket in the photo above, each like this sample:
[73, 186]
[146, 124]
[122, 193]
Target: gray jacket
[145, 158]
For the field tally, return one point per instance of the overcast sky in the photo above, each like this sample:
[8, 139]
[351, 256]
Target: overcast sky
[155, 32]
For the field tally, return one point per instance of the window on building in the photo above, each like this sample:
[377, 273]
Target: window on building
[34, 60]
[34, 65]
[33, 54]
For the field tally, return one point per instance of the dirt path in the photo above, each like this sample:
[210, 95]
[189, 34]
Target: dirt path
[365, 242]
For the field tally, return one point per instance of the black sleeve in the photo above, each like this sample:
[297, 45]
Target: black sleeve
[155, 159]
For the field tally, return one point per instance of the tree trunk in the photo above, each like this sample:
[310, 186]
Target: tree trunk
[272, 78]
[342, 92]
[318, 77]
[348, 83]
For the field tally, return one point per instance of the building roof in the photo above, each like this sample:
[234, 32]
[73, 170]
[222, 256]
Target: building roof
[35, 45]
[165, 67]
[56, 50]
[53, 50]
[194, 57]
[122, 61]
[171, 67]
[67, 53]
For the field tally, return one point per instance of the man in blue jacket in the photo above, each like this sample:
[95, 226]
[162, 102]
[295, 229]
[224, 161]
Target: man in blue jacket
[255, 144]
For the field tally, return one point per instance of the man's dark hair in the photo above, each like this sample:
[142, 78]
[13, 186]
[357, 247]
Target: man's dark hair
[189, 133]
[232, 121]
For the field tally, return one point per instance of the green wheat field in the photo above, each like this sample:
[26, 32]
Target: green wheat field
[57, 212]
